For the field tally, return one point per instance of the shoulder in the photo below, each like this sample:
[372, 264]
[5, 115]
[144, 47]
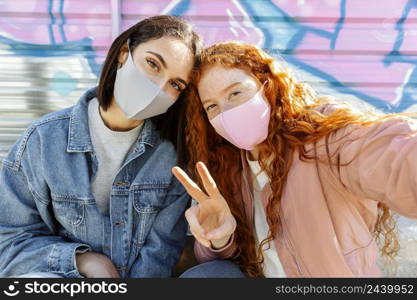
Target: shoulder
[50, 124]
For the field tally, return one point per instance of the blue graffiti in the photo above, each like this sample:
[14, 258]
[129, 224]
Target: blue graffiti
[81, 47]
[285, 44]
[409, 92]
[270, 19]
[283, 35]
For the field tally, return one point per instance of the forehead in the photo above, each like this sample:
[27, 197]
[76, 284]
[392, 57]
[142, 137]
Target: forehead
[214, 79]
[177, 55]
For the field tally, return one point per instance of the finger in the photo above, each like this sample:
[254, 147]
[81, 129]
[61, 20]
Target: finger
[201, 240]
[191, 216]
[190, 186]
[208, 181]
[225, 229]
[195, 227]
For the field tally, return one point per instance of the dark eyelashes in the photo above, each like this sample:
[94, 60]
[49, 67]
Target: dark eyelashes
[209, 107]
[153, 64]
[180, 88]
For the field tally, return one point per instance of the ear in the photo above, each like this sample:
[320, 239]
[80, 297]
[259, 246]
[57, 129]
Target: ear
[123, 54]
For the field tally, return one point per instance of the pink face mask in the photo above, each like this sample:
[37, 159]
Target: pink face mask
[245, 125]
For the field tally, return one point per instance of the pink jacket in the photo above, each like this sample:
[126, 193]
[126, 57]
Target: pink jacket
[327, 222]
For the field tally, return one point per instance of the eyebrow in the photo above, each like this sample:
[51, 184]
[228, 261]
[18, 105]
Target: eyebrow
[231, 86]
[165, 66]
[225, 89]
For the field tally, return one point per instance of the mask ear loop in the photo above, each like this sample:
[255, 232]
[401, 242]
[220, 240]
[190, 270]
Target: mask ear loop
[119, 65]
[262, 93]
[128, 43]
[262, 88]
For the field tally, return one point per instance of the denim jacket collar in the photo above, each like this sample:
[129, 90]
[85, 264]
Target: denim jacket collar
[79, 139]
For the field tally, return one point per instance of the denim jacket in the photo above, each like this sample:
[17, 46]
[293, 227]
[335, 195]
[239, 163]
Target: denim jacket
[48, 212]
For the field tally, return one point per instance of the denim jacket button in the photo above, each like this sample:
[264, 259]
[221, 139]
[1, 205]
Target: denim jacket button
[121, 183]
[119, 224]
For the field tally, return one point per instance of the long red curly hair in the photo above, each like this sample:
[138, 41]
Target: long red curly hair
[295, 122]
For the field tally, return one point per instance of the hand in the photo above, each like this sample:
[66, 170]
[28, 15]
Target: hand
[211, 220]
[95, 265]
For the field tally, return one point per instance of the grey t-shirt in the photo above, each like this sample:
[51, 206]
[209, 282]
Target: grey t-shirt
[111, 148]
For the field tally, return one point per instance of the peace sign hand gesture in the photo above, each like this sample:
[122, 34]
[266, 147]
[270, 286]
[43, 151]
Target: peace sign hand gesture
[211, 220]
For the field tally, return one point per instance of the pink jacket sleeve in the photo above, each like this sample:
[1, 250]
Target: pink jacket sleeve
[204, 254]
[385, 164]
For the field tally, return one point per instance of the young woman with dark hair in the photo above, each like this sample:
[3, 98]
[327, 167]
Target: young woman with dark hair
[87, 191]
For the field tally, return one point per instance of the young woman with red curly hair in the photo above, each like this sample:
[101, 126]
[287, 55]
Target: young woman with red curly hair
[299, 185]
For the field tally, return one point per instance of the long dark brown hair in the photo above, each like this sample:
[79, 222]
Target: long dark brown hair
[295, 122]
[170, 124]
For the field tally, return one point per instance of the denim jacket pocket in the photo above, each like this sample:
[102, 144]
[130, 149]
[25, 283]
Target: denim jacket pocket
[147, 202]
[70, 213]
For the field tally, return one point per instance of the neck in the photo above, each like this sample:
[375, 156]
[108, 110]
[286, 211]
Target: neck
[116, 120]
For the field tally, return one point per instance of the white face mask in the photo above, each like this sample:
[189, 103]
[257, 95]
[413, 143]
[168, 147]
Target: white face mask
[138, 96]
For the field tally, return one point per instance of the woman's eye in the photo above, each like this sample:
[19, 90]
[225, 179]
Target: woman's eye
[152, 64]
[176, 86]
[234, 94]
[208, 108]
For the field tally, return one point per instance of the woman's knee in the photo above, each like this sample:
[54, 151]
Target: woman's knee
[214, 269]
